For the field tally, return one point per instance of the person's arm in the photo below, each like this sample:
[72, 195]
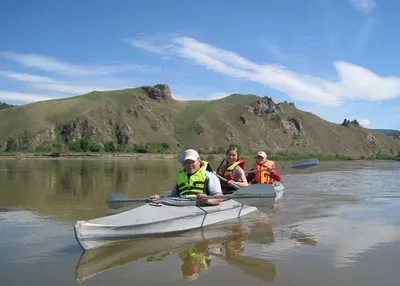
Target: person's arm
[275, 175]
[250, 177]
[214, 189]
[242, 178]
[174, 191]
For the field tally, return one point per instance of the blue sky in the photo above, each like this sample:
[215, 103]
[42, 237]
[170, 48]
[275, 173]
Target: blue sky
[335, 58]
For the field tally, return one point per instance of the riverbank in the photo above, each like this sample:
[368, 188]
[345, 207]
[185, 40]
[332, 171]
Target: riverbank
[155, 156]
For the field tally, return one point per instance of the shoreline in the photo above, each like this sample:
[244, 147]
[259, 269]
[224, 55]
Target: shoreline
[154, 156]
[127, 156]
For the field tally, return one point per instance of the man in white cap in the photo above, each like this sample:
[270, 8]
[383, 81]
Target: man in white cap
[267, 176]
[194, 180]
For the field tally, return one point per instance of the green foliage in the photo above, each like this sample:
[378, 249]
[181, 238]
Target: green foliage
[296, 136]
[93, 147]
[12, 144]
[4, 105]
[152, 147]
[110, 146]
[48, 147]
[75, 146]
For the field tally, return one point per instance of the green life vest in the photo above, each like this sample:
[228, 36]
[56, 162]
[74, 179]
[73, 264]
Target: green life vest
[195, 185]
[198, 256]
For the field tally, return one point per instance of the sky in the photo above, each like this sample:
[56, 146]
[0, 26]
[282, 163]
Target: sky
[335, 58]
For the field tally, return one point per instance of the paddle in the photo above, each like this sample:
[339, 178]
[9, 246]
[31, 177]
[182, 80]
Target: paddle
[299, 165]
[253, 191]
[226, 181]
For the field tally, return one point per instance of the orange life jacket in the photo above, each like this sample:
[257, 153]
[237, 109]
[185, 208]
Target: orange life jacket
[228, 172]
[263, 177]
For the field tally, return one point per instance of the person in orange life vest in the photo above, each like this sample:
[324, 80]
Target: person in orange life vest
[232, 170]
[267, 177]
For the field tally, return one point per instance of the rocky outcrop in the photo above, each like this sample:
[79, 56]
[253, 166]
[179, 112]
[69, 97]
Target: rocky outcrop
[371, 139]
[296, 123]
[265, 106]
[243, 119]
[124, 134]
[77, 129]
[159, 92]
[348, 122]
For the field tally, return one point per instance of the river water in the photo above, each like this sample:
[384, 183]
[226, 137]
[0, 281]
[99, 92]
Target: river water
[337, 224]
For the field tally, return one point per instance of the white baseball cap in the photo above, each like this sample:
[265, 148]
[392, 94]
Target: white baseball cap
[190, 154]
[262, 154]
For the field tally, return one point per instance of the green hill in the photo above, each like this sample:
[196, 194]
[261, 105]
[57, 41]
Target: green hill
[129, 118]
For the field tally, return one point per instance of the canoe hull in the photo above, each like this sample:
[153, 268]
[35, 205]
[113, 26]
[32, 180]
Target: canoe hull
[163, 220]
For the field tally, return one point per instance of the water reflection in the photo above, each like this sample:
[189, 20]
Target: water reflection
[322, 226]
[195, 250]
[77, 189]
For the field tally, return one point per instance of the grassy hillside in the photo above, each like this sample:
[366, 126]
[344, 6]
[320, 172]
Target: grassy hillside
[131, 118]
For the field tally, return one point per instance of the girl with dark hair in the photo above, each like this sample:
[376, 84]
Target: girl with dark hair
[232, 169]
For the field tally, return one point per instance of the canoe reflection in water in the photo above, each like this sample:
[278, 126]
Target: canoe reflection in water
[195, 250]
[198, 258]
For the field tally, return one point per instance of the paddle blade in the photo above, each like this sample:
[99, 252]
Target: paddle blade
[256, 190]
[257, 195]
[117, 200]
[114, 199]
[114, 196]
[305, 164]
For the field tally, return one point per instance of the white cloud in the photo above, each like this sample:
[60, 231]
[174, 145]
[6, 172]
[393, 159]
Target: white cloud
[364, 122]
[217, 95]
[363, 6]
[24, 97]
[179, 96]
[68, 88]
[354, 82]
[150, 47]
[51, 64]
[26, 77]
[49, 84]
[360, 83]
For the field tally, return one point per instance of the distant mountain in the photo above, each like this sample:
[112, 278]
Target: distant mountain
[4, 105]
[144, 114]
[389, 132]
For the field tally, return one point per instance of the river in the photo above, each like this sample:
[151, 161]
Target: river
[337, 224]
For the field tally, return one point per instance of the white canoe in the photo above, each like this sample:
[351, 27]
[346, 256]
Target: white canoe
[159, 219]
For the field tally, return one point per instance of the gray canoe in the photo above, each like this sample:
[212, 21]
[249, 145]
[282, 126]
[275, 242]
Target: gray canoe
[166, 217]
